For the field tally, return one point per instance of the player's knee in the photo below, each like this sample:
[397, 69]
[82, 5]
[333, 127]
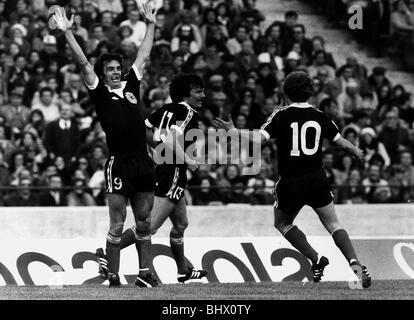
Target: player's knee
[180, 227]
[143, 225]
[332, 227]
[116, 228]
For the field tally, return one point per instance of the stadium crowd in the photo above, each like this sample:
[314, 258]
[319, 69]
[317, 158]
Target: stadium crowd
[49, 135]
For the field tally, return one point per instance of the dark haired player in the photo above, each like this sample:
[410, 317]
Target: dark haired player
[170, 123]
[129, 171]
[299, 129]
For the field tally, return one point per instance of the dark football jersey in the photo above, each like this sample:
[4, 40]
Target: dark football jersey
[174, 116]
[299, 129]
[120, 115]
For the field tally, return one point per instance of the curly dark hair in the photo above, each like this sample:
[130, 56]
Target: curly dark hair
[182, 84]
[298, 86]
[105, 58]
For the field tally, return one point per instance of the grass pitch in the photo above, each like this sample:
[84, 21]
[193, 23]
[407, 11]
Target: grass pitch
[381, 289]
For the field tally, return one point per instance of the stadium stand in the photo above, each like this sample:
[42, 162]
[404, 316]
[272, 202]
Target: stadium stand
[242, 49]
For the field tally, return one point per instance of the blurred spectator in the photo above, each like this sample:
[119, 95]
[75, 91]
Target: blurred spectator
[16, 114]
[55, 196]
[334, 87]
[272, 55]
[234, 44]
[344, 168]
[406, 162]
[138, 27]
[378, 79]
[402, 23]
[331, 109]
[4, 171]
[406, 111]
[394, 137]
[266, 80]
[188, 32]
[327, 162]
[292, 62]
[371, 146]
[238, 186]
[299, 37]
[260, 188]
[79, 196]
[97, 184]
[36, 122]
[320, 65]
[23, 197]
[206, 195]
[49, 109]
[376, 188]
[62, 136]
[352, 190]
[350, 101]
[318, 44]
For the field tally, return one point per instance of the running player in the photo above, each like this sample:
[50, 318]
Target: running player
[299, 129]
[129, 171]
[171, 122]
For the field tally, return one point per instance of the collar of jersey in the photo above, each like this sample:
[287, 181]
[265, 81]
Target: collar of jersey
[301, 105]
[187, 105]
[118, 91]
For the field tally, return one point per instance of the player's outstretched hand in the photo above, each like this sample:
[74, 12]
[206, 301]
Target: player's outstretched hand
[62, 22]
[149, 13]
[219, 123]
[359, 154]
[192, 164]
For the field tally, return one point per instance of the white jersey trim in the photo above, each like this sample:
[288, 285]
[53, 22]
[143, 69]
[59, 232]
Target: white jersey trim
[148, 124]
[94, 85]
[265, 134]
[338, 135]
[301, 105]
[137, 73]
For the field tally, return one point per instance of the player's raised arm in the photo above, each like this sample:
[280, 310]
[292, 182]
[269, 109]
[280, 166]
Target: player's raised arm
[144, 50]
[65, 25]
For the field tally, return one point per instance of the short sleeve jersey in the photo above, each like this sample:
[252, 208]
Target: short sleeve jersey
[120, 114]
[173, 116]
[299, 129]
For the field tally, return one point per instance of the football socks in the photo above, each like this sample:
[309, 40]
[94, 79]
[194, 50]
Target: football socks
[298, 239]
[344, 244]
[128, 237]
[143, 246]
[113, 250]
[177, 248]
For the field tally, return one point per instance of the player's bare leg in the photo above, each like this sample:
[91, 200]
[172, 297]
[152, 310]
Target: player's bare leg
[141, 204]
[161, 210]
[284, 223]
[329, 219]
[180, 223]
[117, 213]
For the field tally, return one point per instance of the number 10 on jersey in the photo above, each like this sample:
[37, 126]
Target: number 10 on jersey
[295, 152]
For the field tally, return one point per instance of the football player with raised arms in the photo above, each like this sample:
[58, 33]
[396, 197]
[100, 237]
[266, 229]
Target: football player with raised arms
[170, 124]
[129, 172]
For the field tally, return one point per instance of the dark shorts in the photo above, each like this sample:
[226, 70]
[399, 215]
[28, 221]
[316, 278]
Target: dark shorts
[312, 189]
[171, 182]
[127, 175]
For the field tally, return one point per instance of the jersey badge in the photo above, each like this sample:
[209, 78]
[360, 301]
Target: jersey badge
[131, 98]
